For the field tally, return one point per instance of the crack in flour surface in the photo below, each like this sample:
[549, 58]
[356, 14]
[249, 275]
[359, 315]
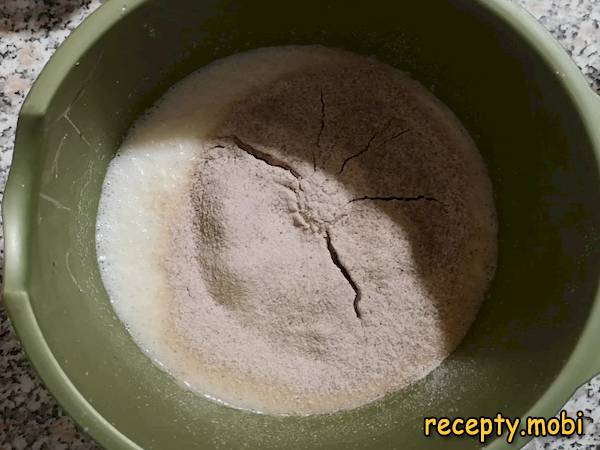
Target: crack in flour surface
[297, 230]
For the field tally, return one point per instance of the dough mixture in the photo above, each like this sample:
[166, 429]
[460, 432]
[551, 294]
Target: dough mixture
[297, 230]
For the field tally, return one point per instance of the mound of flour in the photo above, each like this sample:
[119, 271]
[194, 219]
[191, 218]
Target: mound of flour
[328, 238]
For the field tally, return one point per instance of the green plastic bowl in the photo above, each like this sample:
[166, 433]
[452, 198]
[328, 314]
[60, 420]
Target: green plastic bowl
[525, 103]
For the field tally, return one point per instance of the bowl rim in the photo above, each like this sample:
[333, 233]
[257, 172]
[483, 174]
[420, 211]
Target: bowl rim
[582, 364]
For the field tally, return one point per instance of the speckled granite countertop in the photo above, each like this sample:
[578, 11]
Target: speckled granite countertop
[30, 31]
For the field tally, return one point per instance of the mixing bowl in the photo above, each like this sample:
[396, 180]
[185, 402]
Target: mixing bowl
[524, 102]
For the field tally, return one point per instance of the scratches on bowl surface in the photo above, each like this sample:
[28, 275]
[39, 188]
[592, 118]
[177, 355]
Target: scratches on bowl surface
[54, 202]
[77, 130]
[70, 271]
[66, 114]
[54, 167]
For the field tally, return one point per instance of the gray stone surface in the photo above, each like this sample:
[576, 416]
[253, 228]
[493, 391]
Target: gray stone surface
[30, 31]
